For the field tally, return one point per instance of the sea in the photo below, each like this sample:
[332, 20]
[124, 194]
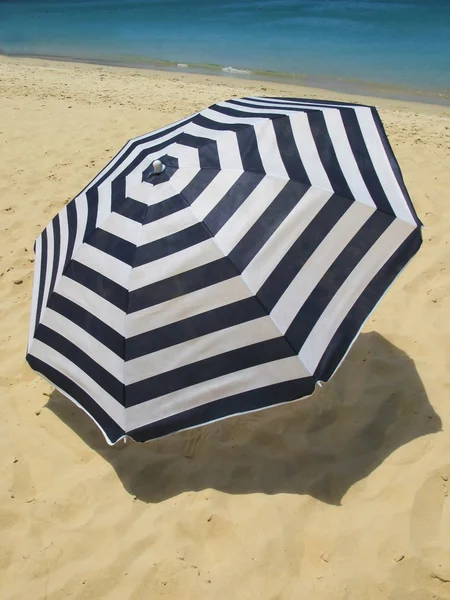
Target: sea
[399, 47]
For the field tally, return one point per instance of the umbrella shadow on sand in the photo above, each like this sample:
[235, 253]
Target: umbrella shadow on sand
[319, 446]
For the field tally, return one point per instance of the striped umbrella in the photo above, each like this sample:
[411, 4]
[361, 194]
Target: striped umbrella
[220, 265]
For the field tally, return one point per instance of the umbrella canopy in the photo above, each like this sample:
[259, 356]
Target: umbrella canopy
[220, 265]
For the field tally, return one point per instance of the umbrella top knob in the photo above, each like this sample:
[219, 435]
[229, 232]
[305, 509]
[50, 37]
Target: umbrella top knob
[158, 167]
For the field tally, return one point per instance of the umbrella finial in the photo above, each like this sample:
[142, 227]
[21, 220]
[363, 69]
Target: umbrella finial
[158, 167]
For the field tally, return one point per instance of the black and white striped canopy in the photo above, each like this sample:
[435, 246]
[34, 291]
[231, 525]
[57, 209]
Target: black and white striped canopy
[233, 276]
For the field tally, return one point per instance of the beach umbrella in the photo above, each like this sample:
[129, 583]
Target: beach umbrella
[220, 265]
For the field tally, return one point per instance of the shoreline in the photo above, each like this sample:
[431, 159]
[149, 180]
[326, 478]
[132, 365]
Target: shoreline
[339, 86]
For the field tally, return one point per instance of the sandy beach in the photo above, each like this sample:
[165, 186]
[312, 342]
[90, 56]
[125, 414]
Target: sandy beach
[344, 495]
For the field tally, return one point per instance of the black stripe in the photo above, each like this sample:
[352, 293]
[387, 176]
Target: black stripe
[250, 401]
[208, 155]
[91, 324]
[42, 276]
[248, 149]
[364, 305]
[171, 164]
[327, 154]
[129, 208]
[207, 149]
[99, 284]
[363, 160]
[119, 198]
[199, 184]
[232, 200]
[164, 209]
[151, 137]
[113, 245]
[108, 425]
[193, 327]
[192, 141]
[78, 357]
[336, 275]
[195, 234]
[208, 123]
[141, 156]
[179, 285]
[241, 113]
[252, 242]
[207, 369]
[394, 164]
[317, 103]
[293, 261]
[72, 226]
[56, 252]
[92, 211]
[288, 150]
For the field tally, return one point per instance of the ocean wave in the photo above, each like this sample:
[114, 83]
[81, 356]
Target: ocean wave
[233, 70]
[182, 65]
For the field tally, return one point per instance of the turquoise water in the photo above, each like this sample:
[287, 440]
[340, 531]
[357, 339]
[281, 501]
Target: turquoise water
[404, 43]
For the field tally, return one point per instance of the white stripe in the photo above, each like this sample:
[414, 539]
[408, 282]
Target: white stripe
[382, 165]
[122, 227]
[189, 305]
[64, 240]
[104, 263]
[174, 264]
[286, 103]
[231, 384]
[307, 150]
[81, 212]
[167, 226]
[249, 212]
[355, 284]
[153, 194]
[282, 239]
[121, 165]
[104, 203]
[346, 158]
[214, 192]
[59, 362]
[219, 117]
[318, 264]
[115, 162]
[85, 342]
[36, 285]
[268, 149]
[187, 155]
[227, 145]
[229, 153]
[200, 348]
[92, 303]
[49, 270]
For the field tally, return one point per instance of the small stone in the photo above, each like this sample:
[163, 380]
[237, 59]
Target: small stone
[444, 477]
[18, 281]
[16, 460]
[399, 558]
[209, 518]
[37, 413]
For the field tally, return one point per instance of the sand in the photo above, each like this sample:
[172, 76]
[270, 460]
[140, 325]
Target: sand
[340, 496]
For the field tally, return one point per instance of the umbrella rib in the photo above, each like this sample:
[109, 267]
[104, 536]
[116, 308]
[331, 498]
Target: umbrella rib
[254, 294]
